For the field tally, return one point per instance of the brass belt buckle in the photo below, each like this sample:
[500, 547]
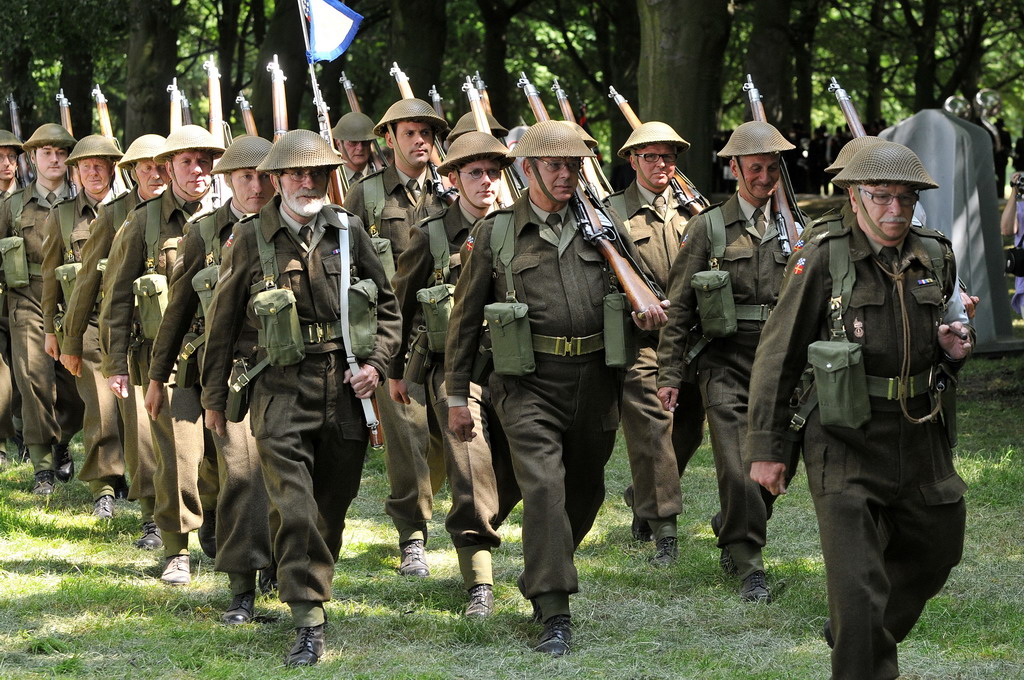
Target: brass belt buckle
[564, 347]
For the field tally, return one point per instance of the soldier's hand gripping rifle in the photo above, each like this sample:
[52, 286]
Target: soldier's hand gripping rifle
[71, 174]
[248, 120]
[505, 198]
[683, 189]
[221, 192]
[176, 112]
[24, 175]
[599, 230]
[786, 218]
[446, 194]
[377, 161]
[120, 180]
[591, 169]
[849, 110]
[277, 95]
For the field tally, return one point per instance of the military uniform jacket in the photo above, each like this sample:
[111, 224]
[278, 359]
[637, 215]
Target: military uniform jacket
[30, 228]
[54, 250]
[656, 238]
[313, 279]
[184, 301]
[127, 262]
[81, 308]
[416, 271]
[755, 266]
[565, 294]
[873, 320]
[399, 212]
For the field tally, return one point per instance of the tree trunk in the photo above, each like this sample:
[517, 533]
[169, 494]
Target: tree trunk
[152, 59]
[419, 29]
[500, 83]
[769, 55]
[923, 36]
[803, 30]
[682, 49]
[619, 61]
[284, 39]
[873, 66]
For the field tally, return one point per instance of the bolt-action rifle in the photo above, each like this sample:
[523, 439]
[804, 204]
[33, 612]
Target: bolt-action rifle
[446, 194]
[24, 175]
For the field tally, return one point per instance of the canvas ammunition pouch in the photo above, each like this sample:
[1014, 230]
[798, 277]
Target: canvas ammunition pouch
[187, 374]
[437, 300]
[420, 358]
[840, 382]
[17, 270]
[203, 284]
[362, 317]
[385, 254]
[620, 342]
[151, 288]
[280, 332]
[66, 275]
[238, 388]
[713, 287]
[508, 322]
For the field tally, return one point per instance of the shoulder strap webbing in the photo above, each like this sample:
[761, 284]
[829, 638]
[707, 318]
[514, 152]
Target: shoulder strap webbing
[618, 204]
[716, 235]
[152, 234]
[268, 258]
[439, 249]
[503, 249]
[17, 207]
[373, 194]
[211, 239]
[840, 268]
[66, 218]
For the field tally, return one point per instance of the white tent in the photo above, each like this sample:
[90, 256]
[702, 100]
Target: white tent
[958, 154]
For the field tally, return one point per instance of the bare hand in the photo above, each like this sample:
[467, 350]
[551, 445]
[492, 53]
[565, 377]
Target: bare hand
[399, 391]
[155, 398]
[73, 363]
[216, 422]
[51, 347]
[955, 340]
[460, 422]
[970, 301]
[118, 384]
[364, 382]
[771, 476]
[669, 397]
[654, 317]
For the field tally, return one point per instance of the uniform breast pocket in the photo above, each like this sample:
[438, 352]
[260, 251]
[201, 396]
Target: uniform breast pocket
[735, 253]
[332, 266]
[394, 226]
[593, 266]
[529, 280]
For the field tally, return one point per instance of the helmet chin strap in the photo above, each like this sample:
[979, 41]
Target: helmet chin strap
[540, 181]
[875, 229]
[398, 147]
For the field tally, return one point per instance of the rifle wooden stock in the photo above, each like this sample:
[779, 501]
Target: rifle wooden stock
[120, 181]
[280, 103]
[248, 120]
[65, 120]
[350, 94]
[849, 110]
[402, 80]
[186, 110]
[24, 175]
[533, 97]
[216, 105]
[176, 114]
[485, 99]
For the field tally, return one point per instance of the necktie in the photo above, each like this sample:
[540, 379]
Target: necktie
[414, 189]
[191, 207]
[306, 234]
[760, 222]
[889, 257]
[356, 176]
[51, 199]
[554, 220]
[660, 204]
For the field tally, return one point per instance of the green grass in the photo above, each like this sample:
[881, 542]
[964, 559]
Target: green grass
[78, 601]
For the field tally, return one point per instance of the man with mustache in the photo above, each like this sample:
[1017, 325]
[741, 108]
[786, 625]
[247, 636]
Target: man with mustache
[147, 246]
[241, 544]
[352, 136]
[81, 318]
[67, 229]
[560, 417]
[738, 238]
[659, 443]
[479, 475]
[888, 499]
[389, 203]
[305, 412]
[50, 406]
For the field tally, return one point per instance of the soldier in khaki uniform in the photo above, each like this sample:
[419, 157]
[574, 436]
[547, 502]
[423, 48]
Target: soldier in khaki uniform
[66, 230]
[659, 443]
[353, 134]
[51, 408]
[80, 320]
[10, 401]
[482, 492]
[888, 499]
[242, 526]
[389, 203]
[10, 149]
[305, 412]
[147, 244]
[467, 123]
[561, 418]
[754, 260]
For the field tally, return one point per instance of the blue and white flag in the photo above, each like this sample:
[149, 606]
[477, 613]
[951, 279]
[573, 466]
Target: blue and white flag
[332, 26]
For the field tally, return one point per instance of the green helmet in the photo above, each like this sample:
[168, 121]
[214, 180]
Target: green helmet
[653, 132]
[300, 149]
[354, 127]
[143, 148]
[188, 138]
[850, 150]
[551, 138]
[755, 137]
[94, 146]
[584, 135]
[49, 134]
[468, 124]
[474, 146]
[413, 110]
[245, 152]
[885, 163]
[7, 138]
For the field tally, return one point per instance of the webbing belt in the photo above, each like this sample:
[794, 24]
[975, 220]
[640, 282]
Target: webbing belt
[568, 347]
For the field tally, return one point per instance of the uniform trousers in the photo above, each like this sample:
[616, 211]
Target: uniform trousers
[180, 442]
[891, 515]
[10, 400]
[104, 455]
[312, 442]
[660, 444]
[560, 422]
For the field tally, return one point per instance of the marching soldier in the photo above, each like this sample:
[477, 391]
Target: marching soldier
[482, 492]
[467, 123]
[242, 526]
[863, 305]
[80, 320]
[66, 230]
[559, 411]
[141, 259]
[10, 149]
[285, 266]
[353, 134]
[736, 242]
[659, 443]
[51, 408]
[388, 203]
[10, 401]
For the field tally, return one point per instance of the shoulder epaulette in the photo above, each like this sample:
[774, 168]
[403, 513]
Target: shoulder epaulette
[711, 207]
[925, 232]
[147, 201]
